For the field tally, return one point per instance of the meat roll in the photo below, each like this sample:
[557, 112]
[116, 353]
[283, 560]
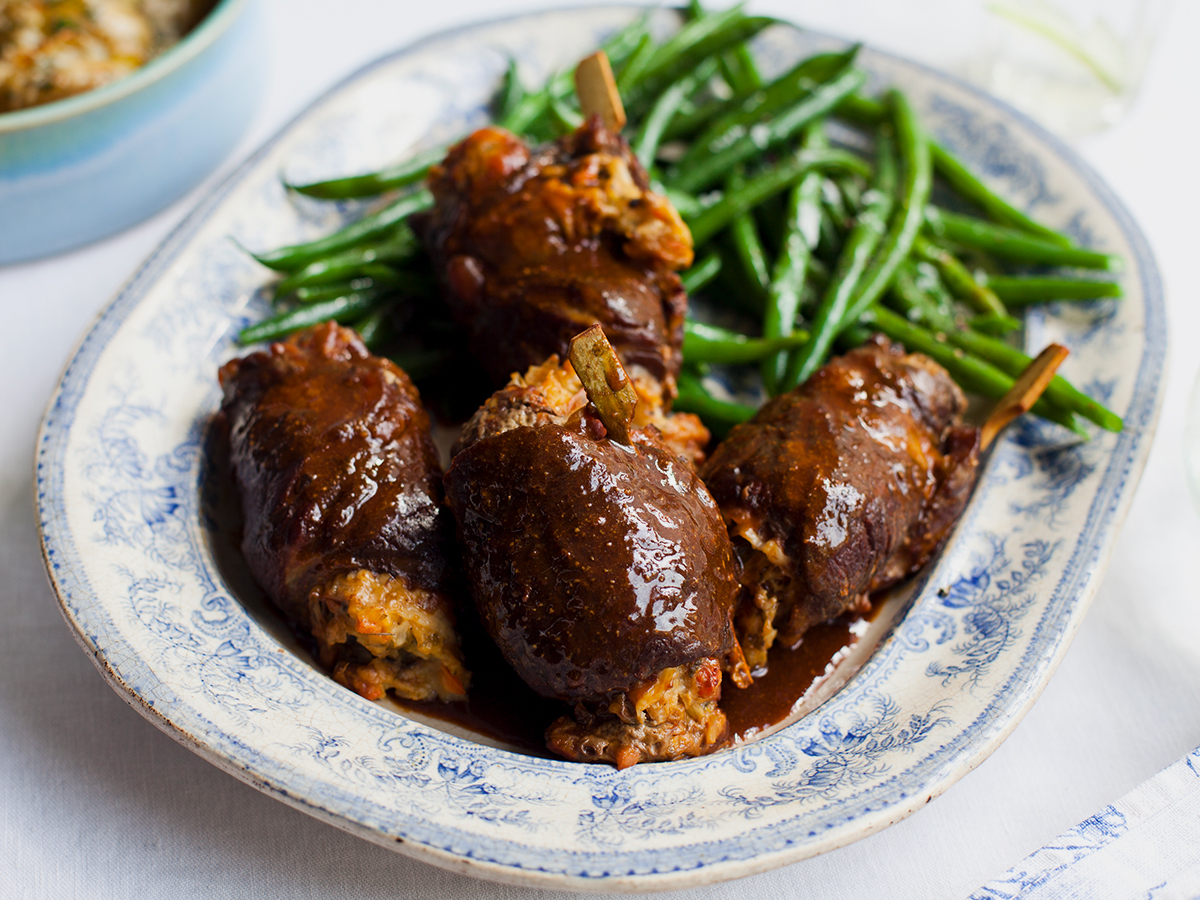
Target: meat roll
[344, 524]
[534, 245]
[603, 571]
[840, 488]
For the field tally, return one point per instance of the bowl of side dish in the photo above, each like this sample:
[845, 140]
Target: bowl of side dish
[79, 168]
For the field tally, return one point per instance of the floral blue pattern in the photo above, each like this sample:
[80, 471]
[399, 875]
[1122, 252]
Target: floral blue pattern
[135, 548]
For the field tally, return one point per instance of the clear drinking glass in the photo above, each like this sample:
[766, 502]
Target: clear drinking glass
[1076, 65]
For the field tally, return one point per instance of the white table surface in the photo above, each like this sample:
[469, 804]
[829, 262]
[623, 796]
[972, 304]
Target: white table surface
[96, 802]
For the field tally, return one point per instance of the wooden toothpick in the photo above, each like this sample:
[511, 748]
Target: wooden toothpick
[597, 91]
[605, 382]
[1024, 393]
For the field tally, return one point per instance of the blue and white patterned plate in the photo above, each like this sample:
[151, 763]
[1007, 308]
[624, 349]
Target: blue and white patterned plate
[142, 566]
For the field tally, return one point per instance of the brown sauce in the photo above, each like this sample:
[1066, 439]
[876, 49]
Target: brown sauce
[791, 675]
[503, 708]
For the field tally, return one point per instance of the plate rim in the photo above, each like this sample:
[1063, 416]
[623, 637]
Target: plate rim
[1109, 515]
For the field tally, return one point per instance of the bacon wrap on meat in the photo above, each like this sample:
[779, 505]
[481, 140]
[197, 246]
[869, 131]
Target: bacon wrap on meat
[840, 488]
[532, 246]
[344, 524]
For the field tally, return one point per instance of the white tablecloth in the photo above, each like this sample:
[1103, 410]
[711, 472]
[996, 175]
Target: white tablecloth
[98, 803]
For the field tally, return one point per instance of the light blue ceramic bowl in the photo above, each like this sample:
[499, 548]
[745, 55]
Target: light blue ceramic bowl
[88, 166]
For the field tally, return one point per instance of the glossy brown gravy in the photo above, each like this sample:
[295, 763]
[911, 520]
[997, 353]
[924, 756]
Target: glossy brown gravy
[503, 708]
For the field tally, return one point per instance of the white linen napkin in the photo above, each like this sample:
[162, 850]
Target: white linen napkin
[1146, 845]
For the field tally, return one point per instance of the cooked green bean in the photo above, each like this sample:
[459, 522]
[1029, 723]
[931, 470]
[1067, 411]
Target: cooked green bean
[698, 40]
[373, 328]
[981, 297]
[800, 235]
[995, 351]
[748, 248]
[512, 92]
[867, 112]
[341, 309]
[910, 214]
[1025, 290]
[719, 415]
[740, 69]
[856, 255]
[400, 175]
[564, 118]
[971, 188]
[701, 273]
[750, 107]
[634, 66]
[330, 291]
[296, 256]
[645, 145]
[705, 170]
[535, 106]
[996, 326]
[767, 183]
[380, 274]
[1008, 243]
[403, 245]
[709, 344]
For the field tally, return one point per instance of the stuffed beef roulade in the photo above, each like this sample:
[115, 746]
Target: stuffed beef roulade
[840, 488]
[344, 524]
[599, 565]
[533, 245]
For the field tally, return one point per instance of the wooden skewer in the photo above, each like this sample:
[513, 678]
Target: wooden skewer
[1024, 393]
[597, 91]
[608, 387]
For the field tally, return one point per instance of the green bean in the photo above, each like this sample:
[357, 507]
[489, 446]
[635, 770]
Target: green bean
[856, 254]
[972, 373]
[296, 256]
[373, 328]
[867, 112]
[800, 236]
[380, 275]
[971, 188]
[718, 415]
[701, 273]
[348, 264]
[408, 172]
[982, 298]
[706, 170]
[1009, 243]
[331, 291]
[635, 65]
[687, 48]
[564, 118]
[906, 225]
[749, 249]
[720, 115]
[710, 344]
[739, 289]
[1022, 291]
[1010, 360]
[751, 107]
[645, 145]
[512, 92]
[341, 309]
[685, 204]
[767, 183]
[996, 326]
[535, 107]
[740, 69]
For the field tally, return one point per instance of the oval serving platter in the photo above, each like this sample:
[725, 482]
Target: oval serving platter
[141, 567]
